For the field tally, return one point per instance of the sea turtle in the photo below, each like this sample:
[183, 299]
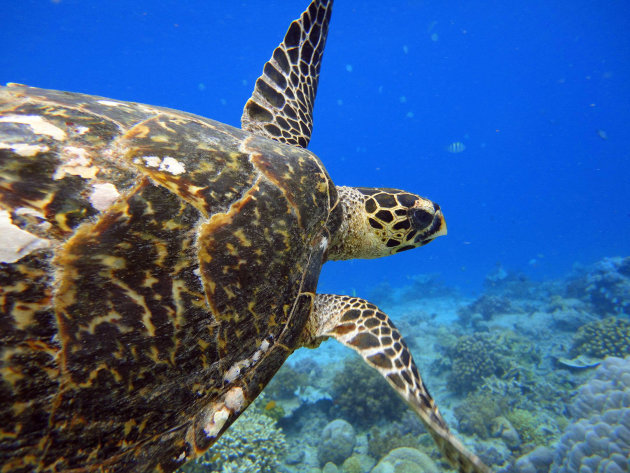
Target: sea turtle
[157, 268]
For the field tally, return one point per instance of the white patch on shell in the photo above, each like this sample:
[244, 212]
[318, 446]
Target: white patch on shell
[235, 399]
[167, 164]
[24, 149]
[15, 243]
[110, 103]
[172, 165]
[324, 243]
[232, 373]
[81, 130]
[43, 224]
[216, 423]
[37, 124]
[76, 163]
[103, 195]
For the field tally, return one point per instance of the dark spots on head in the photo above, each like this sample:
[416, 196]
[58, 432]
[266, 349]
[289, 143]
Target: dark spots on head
[370, 206]
[403, 225]
[386, 340]
[421, 218]
[367, 190]
[386, 330]
[374, 224]
[410, 235]
[404, 248]
[406, 200]
[371, 322]
[380, 360]
[387, 201]
[401, 212]
[391, 243]
[396, 335]
[381, 316]
[351, 314]
[365, 340]
[385, 216]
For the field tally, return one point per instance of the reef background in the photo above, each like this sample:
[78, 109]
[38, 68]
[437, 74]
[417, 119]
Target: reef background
[512, 315]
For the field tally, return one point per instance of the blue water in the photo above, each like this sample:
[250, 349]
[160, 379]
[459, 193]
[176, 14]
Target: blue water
[524, 85]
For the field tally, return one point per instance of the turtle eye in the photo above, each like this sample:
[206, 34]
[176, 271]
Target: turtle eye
[420, 218]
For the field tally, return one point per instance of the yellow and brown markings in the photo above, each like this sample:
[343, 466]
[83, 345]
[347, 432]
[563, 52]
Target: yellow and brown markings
[299, 175]
[361, 326]
[138, 339]
[153, 297]
[198, 160]
[29, 371]
[55, 159]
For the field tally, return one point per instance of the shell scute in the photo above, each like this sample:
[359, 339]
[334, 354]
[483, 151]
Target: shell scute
[181, 264]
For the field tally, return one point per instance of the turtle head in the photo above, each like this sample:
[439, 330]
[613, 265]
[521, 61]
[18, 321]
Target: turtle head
[379, 222]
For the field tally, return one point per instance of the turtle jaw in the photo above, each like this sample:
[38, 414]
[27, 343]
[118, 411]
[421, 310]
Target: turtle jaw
[435, 229]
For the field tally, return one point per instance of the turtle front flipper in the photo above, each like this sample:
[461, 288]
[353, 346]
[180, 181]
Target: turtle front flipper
[281, 107]
[363, 327]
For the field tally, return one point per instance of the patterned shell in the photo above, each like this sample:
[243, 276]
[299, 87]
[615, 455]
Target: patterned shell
[154, 257]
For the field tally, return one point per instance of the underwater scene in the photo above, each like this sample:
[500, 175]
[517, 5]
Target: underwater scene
[513, 117]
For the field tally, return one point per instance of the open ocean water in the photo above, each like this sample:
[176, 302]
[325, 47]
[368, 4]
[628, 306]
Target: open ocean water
[513, 116]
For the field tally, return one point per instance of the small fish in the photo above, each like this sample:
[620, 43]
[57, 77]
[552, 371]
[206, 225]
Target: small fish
[270, 405]
[456, 147]
[602, 134]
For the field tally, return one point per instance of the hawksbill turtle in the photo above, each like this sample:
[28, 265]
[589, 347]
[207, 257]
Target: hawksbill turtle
[157, 268]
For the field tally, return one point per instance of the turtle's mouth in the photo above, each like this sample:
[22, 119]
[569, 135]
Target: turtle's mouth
[436, 228]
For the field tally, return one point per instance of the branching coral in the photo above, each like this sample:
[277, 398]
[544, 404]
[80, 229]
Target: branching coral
[608, 337]
[474, 357]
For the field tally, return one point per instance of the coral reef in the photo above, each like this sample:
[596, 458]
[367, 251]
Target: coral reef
[253, 444]
[485, 307]
[362, 396]
[286, 381]
[599, 439]
[406, 460]
[608, 337]
[336, 442]
[381, 442]
[474, 357]
[606, 285]
[514, 285]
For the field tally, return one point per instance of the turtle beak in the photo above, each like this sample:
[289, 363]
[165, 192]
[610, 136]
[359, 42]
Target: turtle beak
[439, 223]
[436, 228]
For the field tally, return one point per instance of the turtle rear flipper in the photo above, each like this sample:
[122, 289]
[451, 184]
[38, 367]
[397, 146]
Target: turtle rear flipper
[363, 327]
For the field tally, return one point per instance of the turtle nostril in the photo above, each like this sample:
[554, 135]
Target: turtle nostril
[421, 218]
